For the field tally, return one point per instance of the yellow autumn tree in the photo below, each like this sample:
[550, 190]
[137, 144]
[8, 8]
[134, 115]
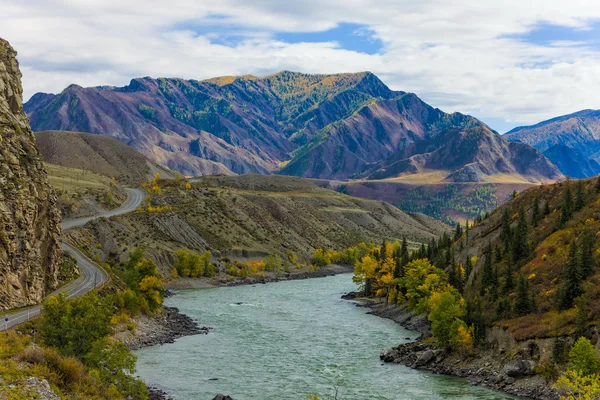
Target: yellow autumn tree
[364, 274]
[575, 385]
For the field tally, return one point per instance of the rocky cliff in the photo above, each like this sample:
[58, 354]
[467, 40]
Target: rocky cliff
[29, 217]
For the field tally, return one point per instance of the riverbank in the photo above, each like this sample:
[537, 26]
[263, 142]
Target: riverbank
[490, 366]
[206, 283]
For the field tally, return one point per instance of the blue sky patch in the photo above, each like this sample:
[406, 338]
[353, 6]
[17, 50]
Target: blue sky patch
[354, 37]
[545, 34]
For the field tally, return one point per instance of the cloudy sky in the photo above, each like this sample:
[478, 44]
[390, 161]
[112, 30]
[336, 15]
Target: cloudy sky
[509, 63]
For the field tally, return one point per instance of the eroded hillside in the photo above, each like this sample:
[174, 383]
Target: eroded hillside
[251, 216]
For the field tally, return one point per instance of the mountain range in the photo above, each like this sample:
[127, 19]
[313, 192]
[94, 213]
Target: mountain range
[571, 142]
[343, 126]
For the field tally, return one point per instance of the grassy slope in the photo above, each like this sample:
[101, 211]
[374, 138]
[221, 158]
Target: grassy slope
[99, 154]
[81, 193]
[254, 215]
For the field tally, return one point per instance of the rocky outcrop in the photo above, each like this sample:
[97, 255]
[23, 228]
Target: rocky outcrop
[29, 216]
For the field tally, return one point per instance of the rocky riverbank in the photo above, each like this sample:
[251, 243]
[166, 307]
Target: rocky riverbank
[516, 377]
[490, 366]
[164, 327]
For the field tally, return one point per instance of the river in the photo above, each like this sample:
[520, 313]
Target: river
[288, 339]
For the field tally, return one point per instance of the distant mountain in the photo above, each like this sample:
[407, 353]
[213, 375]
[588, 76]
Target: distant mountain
[571, 162]
[99, 154]
[316, 126]
[579, 132]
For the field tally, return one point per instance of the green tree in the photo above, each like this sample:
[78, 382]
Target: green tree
[509, 284]
[73, 325]
[114, 364]
[520, 245]
[446, 310]
[579, 196]
[523, 301]
[506, 233]
[587, 262]
[583, 357]
[535, 212]
[572, 280]
[273, 263]
[566, 209]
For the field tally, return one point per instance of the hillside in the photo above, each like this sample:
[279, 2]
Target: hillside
[579, 131]
[314, 126]
[99, 154]
[537, 249]
[251, 216]
[30, 234]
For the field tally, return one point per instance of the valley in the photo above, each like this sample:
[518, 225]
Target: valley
[157, 240]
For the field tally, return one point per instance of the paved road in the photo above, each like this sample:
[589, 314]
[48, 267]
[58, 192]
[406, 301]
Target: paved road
[91, 274]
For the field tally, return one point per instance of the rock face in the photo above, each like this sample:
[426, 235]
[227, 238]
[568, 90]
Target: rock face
[29, 216]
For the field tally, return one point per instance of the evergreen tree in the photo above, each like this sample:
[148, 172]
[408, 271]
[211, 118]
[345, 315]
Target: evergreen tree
[497, 254]
[587, 262]
[509, 284]
[572, 280]
[523, 302]
[535, 213]
[488, 271]
[579, 196]
[547, 208]
[467, 232]
[457, 232]
[506, 233]
[520, 245]
[404, 251]
[598, 184]
[566, 209]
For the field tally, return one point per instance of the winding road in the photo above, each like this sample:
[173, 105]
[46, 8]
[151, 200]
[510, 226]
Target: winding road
[91, 274]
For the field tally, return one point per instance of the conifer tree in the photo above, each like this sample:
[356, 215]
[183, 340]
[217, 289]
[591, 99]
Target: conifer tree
[404, 251]
[546, 208]
[520, 245]
[587, 263]
[488, 271]
[566, 209]
[572, 280]
[509, 284]
[522, 302]
[535, 213]
[579, 196]
[598, 184]
[467, 232]
[506, 233]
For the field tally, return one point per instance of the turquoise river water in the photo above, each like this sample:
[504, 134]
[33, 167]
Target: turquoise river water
[286, 340]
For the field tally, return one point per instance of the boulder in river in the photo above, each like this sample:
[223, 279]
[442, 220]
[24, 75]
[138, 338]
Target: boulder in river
[222, 397]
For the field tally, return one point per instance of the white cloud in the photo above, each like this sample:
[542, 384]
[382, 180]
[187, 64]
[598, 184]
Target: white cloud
[457, 56]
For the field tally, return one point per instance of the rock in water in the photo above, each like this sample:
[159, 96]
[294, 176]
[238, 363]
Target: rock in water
[29, 216]
[222, 397]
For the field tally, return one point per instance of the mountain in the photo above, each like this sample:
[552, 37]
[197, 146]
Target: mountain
[99, 154]
[316, 126]
[579, 131]
[30, 235]
[251, 216]
[571, 162]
